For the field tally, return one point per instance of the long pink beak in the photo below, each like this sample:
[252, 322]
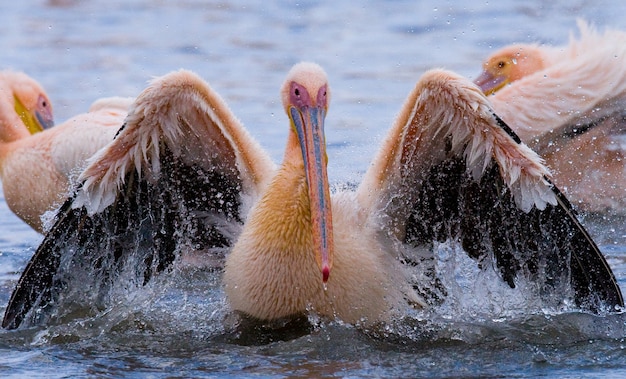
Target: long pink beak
[309, 125]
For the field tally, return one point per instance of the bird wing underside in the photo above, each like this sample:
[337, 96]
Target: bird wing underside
[547, 247]
[139, 235]
[165, 187]
[451, 170]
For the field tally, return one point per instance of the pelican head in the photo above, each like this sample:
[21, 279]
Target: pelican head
[305, 95]
[29, 100]
[508, 65]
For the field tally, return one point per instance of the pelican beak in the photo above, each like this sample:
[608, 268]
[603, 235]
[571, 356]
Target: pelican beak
[490, 83]
[309, 125]
[36, 122]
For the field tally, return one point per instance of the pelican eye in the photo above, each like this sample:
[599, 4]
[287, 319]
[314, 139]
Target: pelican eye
[296, 92]
[42, 102]
[501, 64]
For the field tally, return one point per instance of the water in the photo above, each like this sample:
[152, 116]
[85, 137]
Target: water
[373, 52]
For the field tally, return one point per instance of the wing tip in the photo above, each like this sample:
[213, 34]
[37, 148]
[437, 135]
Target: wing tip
[9, 321]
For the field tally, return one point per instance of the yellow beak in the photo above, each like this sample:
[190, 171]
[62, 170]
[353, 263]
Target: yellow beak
[34, 122]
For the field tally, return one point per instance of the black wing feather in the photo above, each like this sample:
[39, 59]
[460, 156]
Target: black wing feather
[550, 245]
[171, 183]
[145, 227]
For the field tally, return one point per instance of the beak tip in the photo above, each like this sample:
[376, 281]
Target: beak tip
[325, 273]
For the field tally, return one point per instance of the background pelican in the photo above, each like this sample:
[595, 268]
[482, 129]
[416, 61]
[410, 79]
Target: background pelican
[568, 104]
[36, 170]
[183, 176]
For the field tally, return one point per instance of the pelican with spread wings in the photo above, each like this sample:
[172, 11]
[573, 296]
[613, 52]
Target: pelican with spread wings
[183, 176]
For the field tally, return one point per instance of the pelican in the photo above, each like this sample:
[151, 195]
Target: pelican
[183, 177]
[516, 61]
[568, 104]
[36, 170]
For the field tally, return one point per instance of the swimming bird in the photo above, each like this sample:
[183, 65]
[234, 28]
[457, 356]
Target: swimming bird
[184, 177]
[37, 170]
[568, 104]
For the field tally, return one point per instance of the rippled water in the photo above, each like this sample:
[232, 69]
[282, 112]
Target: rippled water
[373, 52]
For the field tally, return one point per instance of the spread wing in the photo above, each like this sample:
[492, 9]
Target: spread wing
[450, 169]
[177, 179]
